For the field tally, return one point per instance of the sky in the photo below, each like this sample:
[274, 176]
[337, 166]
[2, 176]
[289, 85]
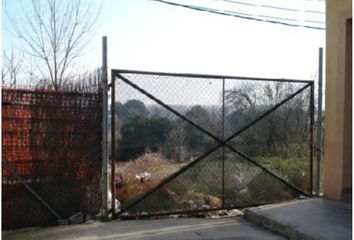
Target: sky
[152, 36]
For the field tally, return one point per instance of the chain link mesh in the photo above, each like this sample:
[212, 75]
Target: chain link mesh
[166, 124]
[281, 141]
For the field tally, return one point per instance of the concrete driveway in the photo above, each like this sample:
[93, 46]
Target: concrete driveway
[178, 228]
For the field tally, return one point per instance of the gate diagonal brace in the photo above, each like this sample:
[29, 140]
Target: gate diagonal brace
[166, 180]
[158, 101]
[22, 181]
[221, 143]
[267, 171]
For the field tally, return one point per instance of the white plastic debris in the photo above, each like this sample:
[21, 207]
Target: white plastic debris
[117, 203]
[243, 191]
[143, 176]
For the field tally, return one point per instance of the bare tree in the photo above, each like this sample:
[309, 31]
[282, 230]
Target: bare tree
[286, 126]
[12, 66]
[3, 73]
[55, 34]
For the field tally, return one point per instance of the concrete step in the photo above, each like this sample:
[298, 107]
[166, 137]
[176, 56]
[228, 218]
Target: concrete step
[309, 219]
[347, 195]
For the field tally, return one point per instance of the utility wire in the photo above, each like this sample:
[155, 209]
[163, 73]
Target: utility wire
[270, 6]
[245, 14]
[240, 15]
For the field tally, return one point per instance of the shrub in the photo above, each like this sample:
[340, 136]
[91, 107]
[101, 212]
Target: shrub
[140, 135]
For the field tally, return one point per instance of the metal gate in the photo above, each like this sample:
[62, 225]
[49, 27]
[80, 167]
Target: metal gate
[185, 143]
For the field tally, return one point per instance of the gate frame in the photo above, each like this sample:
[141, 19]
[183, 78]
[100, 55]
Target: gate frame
[117, 73]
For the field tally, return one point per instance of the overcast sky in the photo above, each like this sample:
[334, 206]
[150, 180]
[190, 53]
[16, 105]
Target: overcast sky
[148, 35]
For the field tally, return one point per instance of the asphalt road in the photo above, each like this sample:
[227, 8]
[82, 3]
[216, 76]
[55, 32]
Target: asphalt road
[173, 228]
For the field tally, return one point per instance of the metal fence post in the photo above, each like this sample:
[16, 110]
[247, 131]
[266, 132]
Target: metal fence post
[319, 123]
[223, 139]
[104, 186]
[312, 94]
[113, 142]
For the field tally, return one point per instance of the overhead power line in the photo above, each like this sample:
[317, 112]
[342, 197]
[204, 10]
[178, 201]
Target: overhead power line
[244, 15]
[272, 7]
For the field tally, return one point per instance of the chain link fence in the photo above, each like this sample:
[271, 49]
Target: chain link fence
[187, 143]
[51, 152]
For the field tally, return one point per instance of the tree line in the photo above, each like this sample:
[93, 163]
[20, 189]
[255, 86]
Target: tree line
[144, 128]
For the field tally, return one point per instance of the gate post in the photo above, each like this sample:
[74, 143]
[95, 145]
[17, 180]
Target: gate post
[312, 113]
[223, 139]
[113, 142]
[319, 123]
[104, 180]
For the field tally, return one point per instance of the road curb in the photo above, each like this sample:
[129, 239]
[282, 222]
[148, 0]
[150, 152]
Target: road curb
[275, 226]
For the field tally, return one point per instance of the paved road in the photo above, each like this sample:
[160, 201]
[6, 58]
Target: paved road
[180, 228]
[313, 218]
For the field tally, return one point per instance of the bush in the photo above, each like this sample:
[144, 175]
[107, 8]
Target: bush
[141, 135]
[293, 170]
[266, 189]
